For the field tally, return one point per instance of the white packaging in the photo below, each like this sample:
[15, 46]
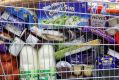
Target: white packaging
[32, 40]
[28, 63]
[46, 62]
[113, 53]
[16, 46]
[98, 21]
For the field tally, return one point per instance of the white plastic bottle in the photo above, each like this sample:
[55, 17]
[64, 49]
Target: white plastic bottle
[28, 63]
[46, 62]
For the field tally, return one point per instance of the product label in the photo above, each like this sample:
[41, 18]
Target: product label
[32, 39]
[29, 75]
[106, 62]
[98, 21]
[47, 75]
[53, 14]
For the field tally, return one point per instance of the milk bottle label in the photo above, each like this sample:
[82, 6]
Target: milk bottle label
[29, 75]
[47, 75]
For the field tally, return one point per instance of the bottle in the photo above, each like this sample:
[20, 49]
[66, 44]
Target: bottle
[28, 63]
[46, 62]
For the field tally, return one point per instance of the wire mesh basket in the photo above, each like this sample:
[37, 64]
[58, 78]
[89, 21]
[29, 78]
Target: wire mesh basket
[59, 40]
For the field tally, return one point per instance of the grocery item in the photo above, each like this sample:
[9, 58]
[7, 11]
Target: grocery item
[29, 38]
[83, 57]
[6, 57]
[14, 76]
[24, 14]
[117, 37]
[88, 70]
[50, 35]
[5, 37]
[8, 67]
[28, 63]
[12, 24]
[98, 21]
[16, 46]
[106, 62]
[57, 19]
[76, 49]
[113, 53]
[64, 69]
[103, 21]
[77, 70]
[101, 33]
[46, 62]
[113, 9]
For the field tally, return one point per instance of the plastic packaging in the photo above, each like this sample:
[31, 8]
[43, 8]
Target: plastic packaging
[28, 63]
[46, 62]
[16, 46]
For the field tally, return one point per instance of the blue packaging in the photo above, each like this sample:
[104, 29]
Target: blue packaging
[6, 18]
[62, 13]
[84, 57]
[12, 24]
[106, 62]
[3, 47]
[23, 14]
[65, 6]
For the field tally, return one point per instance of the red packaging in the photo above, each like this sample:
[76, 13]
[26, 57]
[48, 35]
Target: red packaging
[5, 57]
[117, 37]
[8, 67]
[13, 76]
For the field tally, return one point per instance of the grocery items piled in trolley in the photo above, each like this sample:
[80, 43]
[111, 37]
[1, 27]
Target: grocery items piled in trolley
[62, 40]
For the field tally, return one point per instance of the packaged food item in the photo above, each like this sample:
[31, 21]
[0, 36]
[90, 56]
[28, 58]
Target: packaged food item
[28, 63]
[6, 57]
[47, 63]
[113, 9]
[14, 76]
[99, 32]
[112, 31]
[113, 53]
[84, 57]
[117, 37]
[50, 35]
[12, 24]
[8, 67]
[106, 62]
[76, 49]
[88, 70]
[98, 21]
[77, 70]
[52, 15]
[30, 38]
[16, 46]
[64, 69]
[5, 37]
[24, 14]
